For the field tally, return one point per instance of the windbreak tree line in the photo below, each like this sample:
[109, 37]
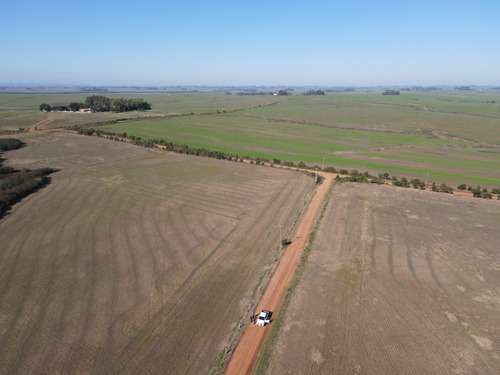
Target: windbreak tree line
[314, 92]
[100, 103]
[15, 184]
[348, 176]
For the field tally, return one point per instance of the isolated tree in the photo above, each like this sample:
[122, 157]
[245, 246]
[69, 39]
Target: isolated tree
[44, 107]
[476, 192]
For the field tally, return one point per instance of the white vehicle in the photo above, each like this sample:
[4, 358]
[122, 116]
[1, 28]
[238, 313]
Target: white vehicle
[264, 318]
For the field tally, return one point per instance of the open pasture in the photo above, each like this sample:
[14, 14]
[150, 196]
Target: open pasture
[22, 110]
[444, 136]
[456, 138]
[132, 260]
[396, 282]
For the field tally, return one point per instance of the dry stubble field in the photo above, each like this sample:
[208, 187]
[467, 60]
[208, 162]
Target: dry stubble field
[397, 282]
[134, 261]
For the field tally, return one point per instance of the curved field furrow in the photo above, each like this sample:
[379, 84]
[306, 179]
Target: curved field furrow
[390, 252]
[90, 254]
[373, 239]
[71, 295]
[211, 295]
[46, 275]
[112, 299]
[353, 226]
[30, 275]
[122, 264]
[235, 279]
[418, 297]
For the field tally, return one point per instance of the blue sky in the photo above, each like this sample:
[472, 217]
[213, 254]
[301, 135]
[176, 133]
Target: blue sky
[325, 43]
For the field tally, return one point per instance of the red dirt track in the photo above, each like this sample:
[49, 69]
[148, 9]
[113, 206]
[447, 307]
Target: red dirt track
[247, 351]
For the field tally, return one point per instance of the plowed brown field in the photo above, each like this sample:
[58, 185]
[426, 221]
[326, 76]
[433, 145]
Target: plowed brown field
[398, 281]
[135, 261]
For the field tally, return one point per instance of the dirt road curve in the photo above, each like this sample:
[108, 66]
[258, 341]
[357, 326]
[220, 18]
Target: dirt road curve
[248, 349]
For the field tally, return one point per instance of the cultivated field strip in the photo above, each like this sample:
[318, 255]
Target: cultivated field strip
[134, 261]
[457, 140]
[398, 281]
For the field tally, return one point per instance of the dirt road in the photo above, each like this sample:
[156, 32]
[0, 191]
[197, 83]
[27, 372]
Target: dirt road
[248, 349]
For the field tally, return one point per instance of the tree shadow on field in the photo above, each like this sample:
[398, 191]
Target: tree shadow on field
[285, 242]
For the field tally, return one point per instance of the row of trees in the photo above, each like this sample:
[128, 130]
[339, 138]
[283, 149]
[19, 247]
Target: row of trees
[251, 93]
[100, 103]
[75, 107]
[391, 92]
[314, 92]
[349, 176]
[478, 192]
[15, 184]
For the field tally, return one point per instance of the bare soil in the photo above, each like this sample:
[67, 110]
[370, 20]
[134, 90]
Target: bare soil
[398, 281]
[135, 261]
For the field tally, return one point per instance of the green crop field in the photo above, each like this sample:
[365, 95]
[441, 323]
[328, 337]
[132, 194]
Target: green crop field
[445, 136]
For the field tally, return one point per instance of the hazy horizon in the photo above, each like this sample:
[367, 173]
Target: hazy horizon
[222, 43]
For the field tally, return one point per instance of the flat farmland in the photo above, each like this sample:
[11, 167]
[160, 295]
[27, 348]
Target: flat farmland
[135, 261]
[22, 110]
[395, 282]
[443, 137]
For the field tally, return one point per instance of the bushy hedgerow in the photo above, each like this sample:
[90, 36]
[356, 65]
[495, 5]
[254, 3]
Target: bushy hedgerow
[352, 176]
[15, 185]
[7, 144]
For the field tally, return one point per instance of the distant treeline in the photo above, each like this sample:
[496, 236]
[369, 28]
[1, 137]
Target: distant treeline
[314, 92]
[100, 103]
[93, 89]
[15, 184]
[250, 93]
[391, 92]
